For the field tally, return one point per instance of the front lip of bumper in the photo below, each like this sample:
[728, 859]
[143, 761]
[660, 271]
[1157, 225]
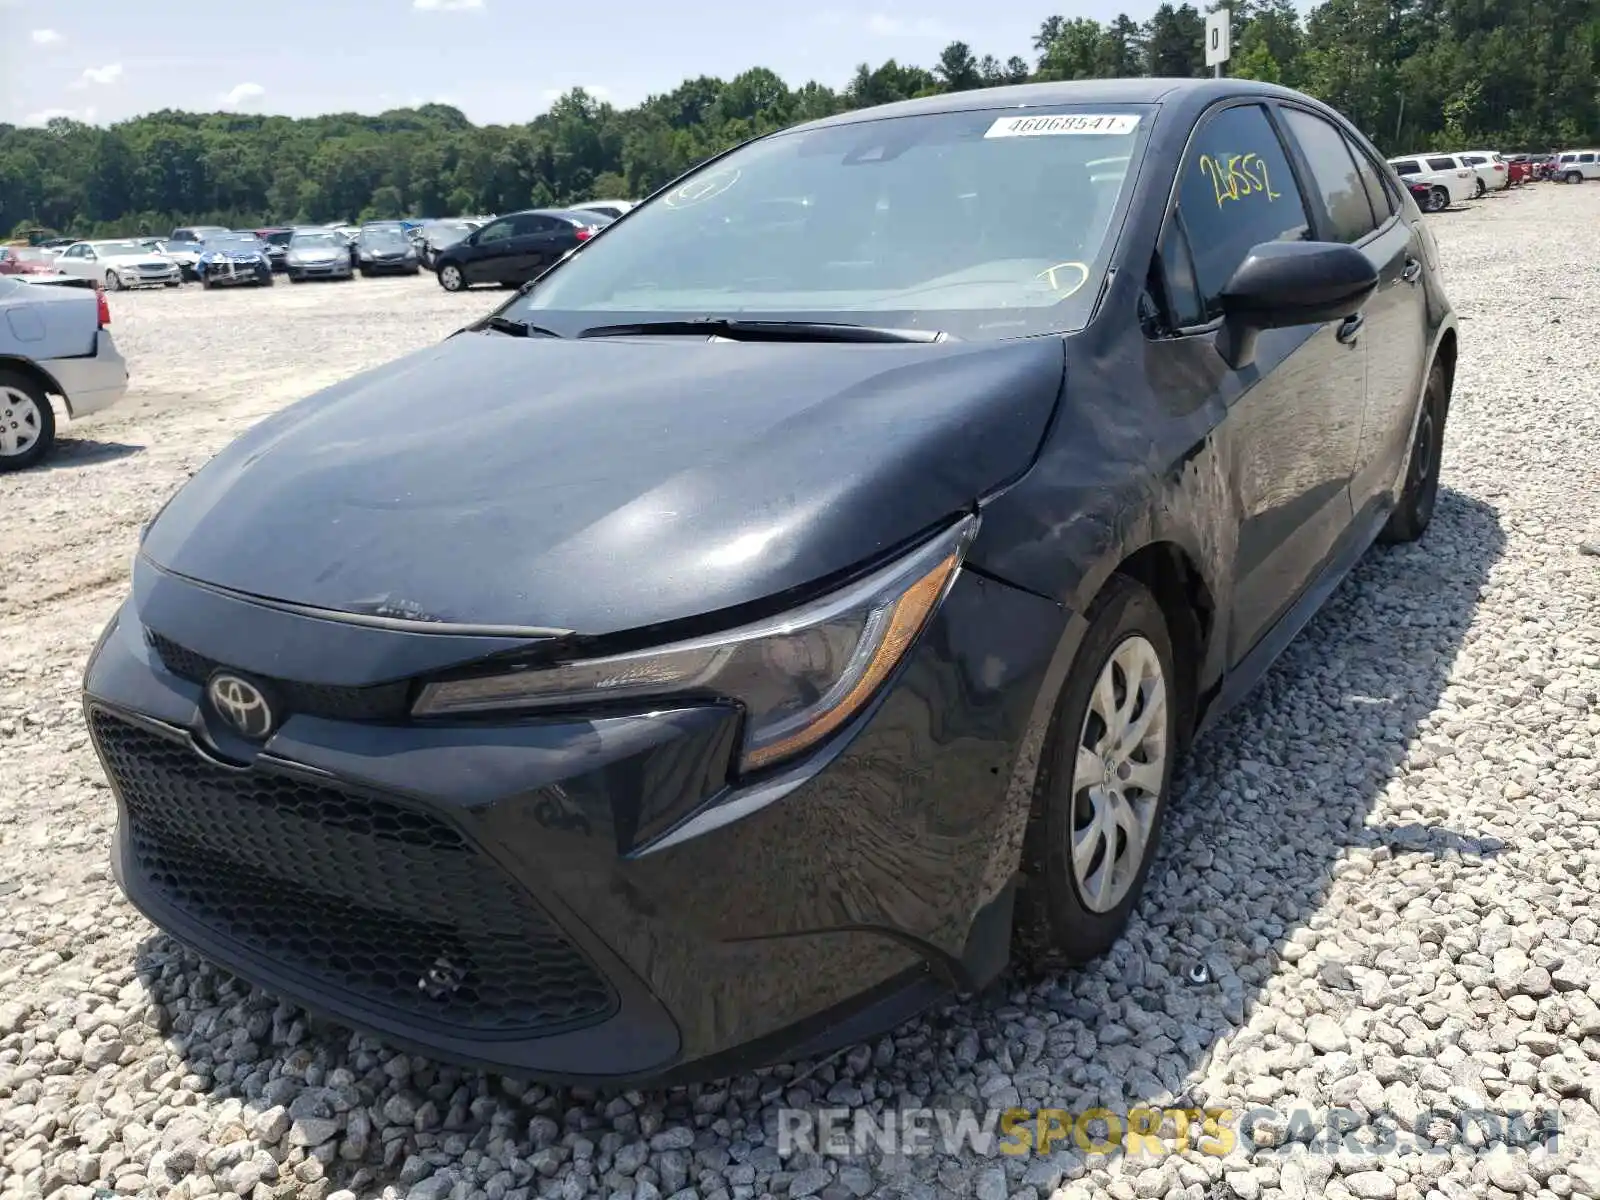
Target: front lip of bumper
[870, 928]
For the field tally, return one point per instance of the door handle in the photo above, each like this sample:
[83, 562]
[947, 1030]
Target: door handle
[1412, 272]
[1350, 329]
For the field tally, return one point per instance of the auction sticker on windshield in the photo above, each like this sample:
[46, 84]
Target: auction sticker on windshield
[1066, 123]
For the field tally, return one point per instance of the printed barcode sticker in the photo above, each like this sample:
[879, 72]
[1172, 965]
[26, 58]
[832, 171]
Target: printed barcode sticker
[1064, 124]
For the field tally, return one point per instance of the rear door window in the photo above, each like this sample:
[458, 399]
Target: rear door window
[1236, 191]
[1334, 172]
[1407, 166]
[1586, 158]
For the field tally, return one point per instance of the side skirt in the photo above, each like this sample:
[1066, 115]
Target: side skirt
[1241, 681]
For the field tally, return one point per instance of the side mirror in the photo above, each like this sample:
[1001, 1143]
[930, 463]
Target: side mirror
[1282, 284]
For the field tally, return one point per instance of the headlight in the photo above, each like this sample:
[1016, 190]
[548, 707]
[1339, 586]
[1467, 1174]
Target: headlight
[798, 676]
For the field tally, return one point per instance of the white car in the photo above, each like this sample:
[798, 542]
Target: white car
[54, 341]
[1448, 179]
[606, 208]
[1578, 165]
[1491, 168]
[119, 264]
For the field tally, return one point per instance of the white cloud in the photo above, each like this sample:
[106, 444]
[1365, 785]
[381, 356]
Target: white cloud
[447, 5]
[884, 25]
[596, 91]
[46, 37]
[100, 75]
[45, 116]
[243, 94]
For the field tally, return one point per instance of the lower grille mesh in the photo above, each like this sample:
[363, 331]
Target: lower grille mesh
[360, 895]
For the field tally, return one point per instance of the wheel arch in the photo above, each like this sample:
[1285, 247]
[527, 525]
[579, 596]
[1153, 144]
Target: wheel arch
[26, 366]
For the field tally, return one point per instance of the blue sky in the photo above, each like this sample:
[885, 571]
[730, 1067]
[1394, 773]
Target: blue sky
[497, 60]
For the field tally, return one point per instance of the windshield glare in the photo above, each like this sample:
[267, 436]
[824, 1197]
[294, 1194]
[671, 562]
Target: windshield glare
[382, 237]
[106, 248]
[244, 242]
[982, 224]
[316, 241]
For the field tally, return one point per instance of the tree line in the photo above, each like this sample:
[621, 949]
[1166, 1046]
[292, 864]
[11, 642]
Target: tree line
[1413, 74]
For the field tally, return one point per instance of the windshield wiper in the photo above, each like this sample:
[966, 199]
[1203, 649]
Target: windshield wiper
[515, 328]
[768, 331]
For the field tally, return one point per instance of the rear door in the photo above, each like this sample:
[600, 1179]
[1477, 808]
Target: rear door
[548, 239]
[1360, 208]
[1293, 425]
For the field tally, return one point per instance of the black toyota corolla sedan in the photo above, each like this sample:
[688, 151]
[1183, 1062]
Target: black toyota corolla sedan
[791, 607]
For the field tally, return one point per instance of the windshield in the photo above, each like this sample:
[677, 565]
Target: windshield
[233, 241]
[981, 224]
[382, 237]
[317, 241]
[105, 249]
[280, 237]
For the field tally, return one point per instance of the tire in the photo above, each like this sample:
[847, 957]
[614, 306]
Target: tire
[1438, 199]
[207, 282]
[1060, 922]
[451, 279]
[1572, 177]
[1410, 518]
[1479, 191]
[27, 422]
[175, 283]
[414, 271]
[114, 282]
[365, 274]
[264, 280]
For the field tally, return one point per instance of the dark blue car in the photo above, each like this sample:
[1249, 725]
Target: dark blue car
[233, 258]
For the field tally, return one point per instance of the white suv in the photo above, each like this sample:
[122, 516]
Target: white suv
[1577, 165]
[1491, 168]
[1449, 181]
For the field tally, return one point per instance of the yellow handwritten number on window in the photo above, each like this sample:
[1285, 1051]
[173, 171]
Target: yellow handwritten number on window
[1235, 176]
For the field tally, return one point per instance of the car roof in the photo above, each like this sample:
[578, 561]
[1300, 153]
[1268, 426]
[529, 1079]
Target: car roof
[1078, 91]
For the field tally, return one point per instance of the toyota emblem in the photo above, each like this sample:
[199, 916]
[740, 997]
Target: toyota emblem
[241, 704]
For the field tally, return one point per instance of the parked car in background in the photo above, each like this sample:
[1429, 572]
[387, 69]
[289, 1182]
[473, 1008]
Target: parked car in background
[27, 260]
[606, 208]
[1459, 181]
[1519, 169]
[230, 258]
[55, 340]
[1429, 197]
[436, 236]
[195, 233]
[118, 264]
[277, 243]
[317, 254]
[1490, 167]
[513, 249]
[385, 250]
[1576, 166]
[185, 254]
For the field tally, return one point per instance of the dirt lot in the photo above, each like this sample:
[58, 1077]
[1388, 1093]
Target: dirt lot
[1378, 890]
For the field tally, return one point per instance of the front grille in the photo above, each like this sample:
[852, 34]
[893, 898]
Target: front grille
[380, 702]
[354, 893]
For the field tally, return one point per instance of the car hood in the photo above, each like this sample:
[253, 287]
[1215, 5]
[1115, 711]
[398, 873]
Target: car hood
[599, 486]
[145, 258]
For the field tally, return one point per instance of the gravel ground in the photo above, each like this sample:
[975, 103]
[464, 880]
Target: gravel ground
[1377, 894]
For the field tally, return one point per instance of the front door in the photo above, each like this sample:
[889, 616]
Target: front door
[481, 253]
[1361, 209]
[1293, 424]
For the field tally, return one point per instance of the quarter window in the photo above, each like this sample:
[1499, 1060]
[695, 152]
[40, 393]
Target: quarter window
[1334, 172]
[1407, 166]
[1237, 191]
[1444, 164]
[1378, 192]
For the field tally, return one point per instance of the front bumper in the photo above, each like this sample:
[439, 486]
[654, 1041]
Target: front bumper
[578, 899]
[391, 266]
[319, 270]
[226, 272]
[143, 278]
[91, 382]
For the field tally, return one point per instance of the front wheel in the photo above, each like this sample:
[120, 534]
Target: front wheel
[175, 283]
[113, 282]
[451, 279]
[1478, 192]
[1102, 785]
[1574, 177]
[27, 422]
[1411, 515]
